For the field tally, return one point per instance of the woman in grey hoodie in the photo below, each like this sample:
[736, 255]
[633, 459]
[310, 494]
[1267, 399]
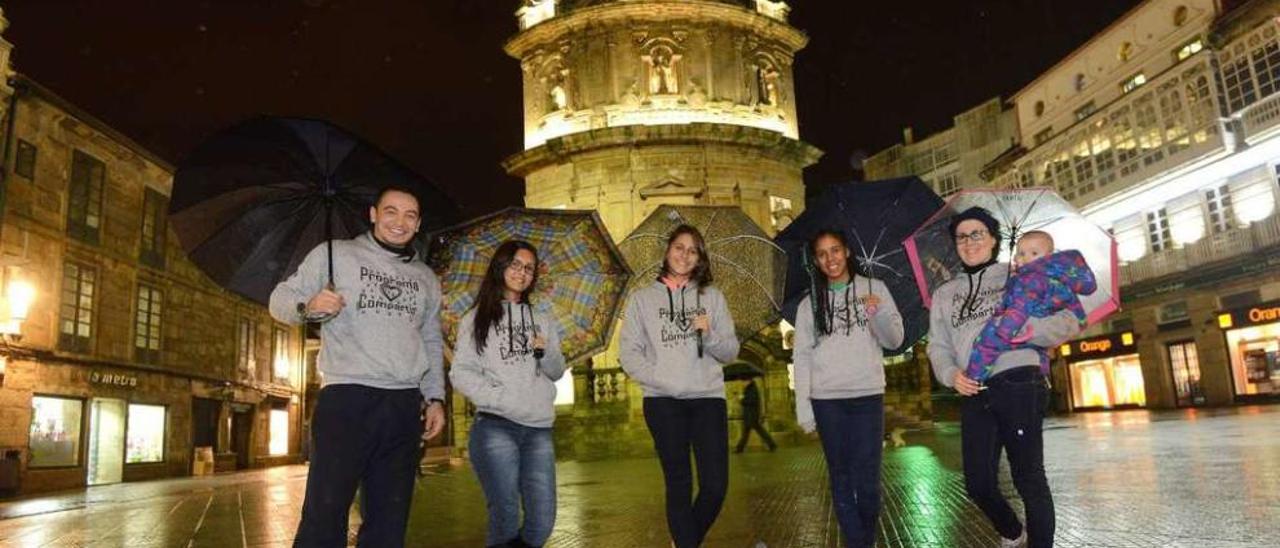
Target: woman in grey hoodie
[677, 335]
[841, 329]
[1007, 412]
[506, 362]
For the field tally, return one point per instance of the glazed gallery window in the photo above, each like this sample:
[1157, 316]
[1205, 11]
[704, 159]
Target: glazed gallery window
[55, 431]
[278, 444]
[145, 438]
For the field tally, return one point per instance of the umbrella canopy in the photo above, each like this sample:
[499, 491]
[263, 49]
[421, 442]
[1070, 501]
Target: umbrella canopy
[746, 266]
[874, 216]
[252, 200]
[581, 276]
[934, 259]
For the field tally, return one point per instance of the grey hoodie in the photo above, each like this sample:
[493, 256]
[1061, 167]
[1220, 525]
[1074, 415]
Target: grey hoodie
[659, 345]
[506, 379]
[962, 306]
[847, 363]
[388, 334]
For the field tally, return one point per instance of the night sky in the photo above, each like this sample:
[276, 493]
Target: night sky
[428, 82]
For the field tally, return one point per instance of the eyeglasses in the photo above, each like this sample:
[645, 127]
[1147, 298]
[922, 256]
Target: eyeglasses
[972, 237]
[517, 267]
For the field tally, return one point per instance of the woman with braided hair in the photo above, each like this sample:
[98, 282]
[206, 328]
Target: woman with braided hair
[842, 328]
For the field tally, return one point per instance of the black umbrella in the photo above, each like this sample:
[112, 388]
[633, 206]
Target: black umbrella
[252, 200]
[875, 217]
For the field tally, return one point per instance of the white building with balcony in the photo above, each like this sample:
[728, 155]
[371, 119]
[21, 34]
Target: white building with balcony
[1165, 128]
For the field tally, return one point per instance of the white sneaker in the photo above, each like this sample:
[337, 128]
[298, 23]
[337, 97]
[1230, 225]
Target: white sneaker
[1015, 543]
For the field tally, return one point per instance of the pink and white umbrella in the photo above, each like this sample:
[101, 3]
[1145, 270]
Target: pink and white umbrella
[931, 248]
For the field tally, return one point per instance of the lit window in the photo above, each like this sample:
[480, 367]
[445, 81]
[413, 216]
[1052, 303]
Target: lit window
[1084, 111]
[245, 363]
[279, 432]
[145, 440]
[1187, 50]
[283, 364]
[55, 432]
[1134, 82]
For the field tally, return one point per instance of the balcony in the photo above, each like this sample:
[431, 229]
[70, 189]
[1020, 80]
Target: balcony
[1217, 247]
[1261, 120]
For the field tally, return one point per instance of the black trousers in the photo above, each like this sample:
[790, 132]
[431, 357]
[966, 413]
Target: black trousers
[751, 422]
[678, 427]
[361, 437]
[1009, 415]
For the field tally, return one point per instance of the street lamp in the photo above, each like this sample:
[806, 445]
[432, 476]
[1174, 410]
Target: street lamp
[15, 303]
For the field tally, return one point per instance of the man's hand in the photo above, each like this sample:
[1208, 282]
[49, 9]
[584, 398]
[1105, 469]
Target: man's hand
[326, 302]
[964, 385]
[433, 420]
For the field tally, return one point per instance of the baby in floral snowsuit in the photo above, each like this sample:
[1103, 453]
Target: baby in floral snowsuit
[1045, 283]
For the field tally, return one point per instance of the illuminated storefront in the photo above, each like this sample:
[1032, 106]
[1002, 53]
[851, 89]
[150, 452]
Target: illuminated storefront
[1253, 347]
[1104, 372]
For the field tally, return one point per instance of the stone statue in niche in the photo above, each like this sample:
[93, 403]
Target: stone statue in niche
[697, 96]
[557, 96]
[767, 84]
[662, 71]
[630, 97]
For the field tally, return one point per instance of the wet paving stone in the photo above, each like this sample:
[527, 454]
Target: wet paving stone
[1124, 479]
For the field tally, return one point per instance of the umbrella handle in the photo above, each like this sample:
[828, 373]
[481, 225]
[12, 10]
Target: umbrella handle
[697, 303]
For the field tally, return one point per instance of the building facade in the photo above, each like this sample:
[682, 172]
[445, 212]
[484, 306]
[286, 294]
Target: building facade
[1164, 128]
[952, 159]
[125, 358]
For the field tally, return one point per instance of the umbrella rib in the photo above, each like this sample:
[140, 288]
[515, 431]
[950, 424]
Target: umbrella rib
[227, 225]
[764, 289]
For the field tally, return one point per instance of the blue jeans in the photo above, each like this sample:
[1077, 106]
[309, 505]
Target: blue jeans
[679, 427]
[515, 464]
[367, 437]
[1009, 415]
[852, 433]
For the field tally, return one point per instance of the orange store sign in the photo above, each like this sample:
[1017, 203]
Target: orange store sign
[1259, 315]
[1102, 345]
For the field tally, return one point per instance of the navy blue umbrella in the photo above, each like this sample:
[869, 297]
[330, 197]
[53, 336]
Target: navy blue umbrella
[253, 199]
[875, 216]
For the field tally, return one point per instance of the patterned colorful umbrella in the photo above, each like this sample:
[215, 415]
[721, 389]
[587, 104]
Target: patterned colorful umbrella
[934, 260]
[580, 280]
[747, 267]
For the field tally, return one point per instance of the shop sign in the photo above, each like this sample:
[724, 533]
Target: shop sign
[114, 379]
[1264, 313]
[1096, 347]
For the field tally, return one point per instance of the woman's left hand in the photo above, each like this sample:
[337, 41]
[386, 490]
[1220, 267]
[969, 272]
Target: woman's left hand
[872, 303]
[702, 322]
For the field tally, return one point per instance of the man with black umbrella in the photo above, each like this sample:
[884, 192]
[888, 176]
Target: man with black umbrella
[381, 361]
